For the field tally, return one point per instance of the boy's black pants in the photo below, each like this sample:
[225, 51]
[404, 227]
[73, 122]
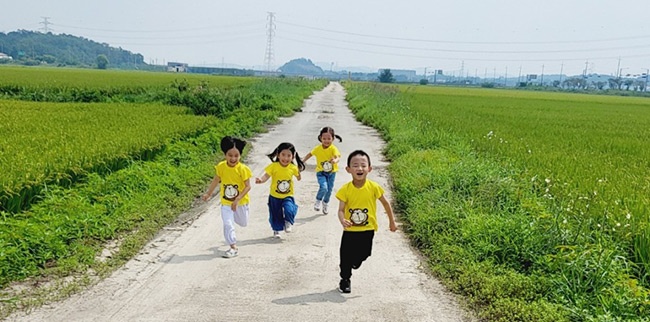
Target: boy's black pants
[356, 246]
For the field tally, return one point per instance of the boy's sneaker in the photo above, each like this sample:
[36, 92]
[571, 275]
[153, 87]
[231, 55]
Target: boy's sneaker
[287, 227]
[325, 211]
[230, 253]
[317, 205]
[276, 234]
[344, 286]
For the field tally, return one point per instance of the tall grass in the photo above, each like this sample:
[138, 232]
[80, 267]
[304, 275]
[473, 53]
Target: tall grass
[56, 143]
[492, 216]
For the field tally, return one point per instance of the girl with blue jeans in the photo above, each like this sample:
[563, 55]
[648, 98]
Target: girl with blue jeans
[282, 206]
[327, 159]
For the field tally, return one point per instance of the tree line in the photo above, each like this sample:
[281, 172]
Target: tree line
[36, 48]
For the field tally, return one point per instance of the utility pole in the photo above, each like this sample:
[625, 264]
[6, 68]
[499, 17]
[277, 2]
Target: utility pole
[462, 68]
[647, 74]
[519, 77]
[45, 24]
[505, 79]
[541, 81]
[561, 70]
[270, 32]
[618, 68]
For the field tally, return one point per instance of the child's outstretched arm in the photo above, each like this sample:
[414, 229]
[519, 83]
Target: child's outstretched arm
[215, 182]
[263, 179]
[306, 157]
[389, 211]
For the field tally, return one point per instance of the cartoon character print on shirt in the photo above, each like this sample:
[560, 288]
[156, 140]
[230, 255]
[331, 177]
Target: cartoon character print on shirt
[230, 192]
[359, 217]
[283, 186]
[327, 166]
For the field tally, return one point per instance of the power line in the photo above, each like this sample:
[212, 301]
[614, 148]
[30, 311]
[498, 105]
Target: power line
[481, 51]
[465, 42]
[242, 24]
[455, 57]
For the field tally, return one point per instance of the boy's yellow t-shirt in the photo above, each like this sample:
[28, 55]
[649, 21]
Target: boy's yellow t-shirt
[361, 204]
[232, 181]
[324, 155]
[281, 179]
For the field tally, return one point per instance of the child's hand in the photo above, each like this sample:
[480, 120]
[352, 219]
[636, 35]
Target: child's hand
[258, 180]
[205, 197]
[392, 226]
[234, 204]
[346, 223]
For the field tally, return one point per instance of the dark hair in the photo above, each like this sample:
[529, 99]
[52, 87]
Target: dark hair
[229, 142]
[358, 152]
[287, 146]
[329, 130]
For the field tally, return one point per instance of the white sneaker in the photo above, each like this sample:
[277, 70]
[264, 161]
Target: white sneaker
[287, 227]
[276, 234]
[325, 211]
[230, 253]
[317, 205]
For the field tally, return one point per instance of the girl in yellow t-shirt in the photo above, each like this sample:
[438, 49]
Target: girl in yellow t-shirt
[282, 206]
[327, 164]
[234, 178]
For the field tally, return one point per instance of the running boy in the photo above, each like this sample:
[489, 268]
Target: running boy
[327, 164]
[234, 177]
[358, 216]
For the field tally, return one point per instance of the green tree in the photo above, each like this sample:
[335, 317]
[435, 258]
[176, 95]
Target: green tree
[102, 61]
[386, 76]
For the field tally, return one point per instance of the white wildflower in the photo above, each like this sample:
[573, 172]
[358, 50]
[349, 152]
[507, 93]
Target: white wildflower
[628, 216]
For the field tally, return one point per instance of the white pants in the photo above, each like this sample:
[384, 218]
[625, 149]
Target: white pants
[230, 218]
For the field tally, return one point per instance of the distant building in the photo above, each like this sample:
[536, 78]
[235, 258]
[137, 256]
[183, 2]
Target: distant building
[220, 71]
[177, 67]
[5, 56]
[402, 75]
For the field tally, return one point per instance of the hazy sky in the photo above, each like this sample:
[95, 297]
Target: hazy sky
[477, 37]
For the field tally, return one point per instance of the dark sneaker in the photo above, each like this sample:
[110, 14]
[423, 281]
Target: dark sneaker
[344, 286]
[356, 266]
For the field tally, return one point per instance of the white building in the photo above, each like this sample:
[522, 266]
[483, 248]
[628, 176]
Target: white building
[5, 56]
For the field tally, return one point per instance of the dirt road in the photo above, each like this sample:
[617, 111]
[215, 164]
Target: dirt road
[181, 276]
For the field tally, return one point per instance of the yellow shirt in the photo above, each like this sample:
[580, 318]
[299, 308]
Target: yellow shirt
[361, 204]
[281, 179]
[232, 181]
[325, 155]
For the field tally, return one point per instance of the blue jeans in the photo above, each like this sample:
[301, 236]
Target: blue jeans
[281, 210]
[325, 185]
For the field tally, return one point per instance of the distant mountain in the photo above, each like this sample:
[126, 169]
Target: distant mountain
[301, 66]
[34, 48]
